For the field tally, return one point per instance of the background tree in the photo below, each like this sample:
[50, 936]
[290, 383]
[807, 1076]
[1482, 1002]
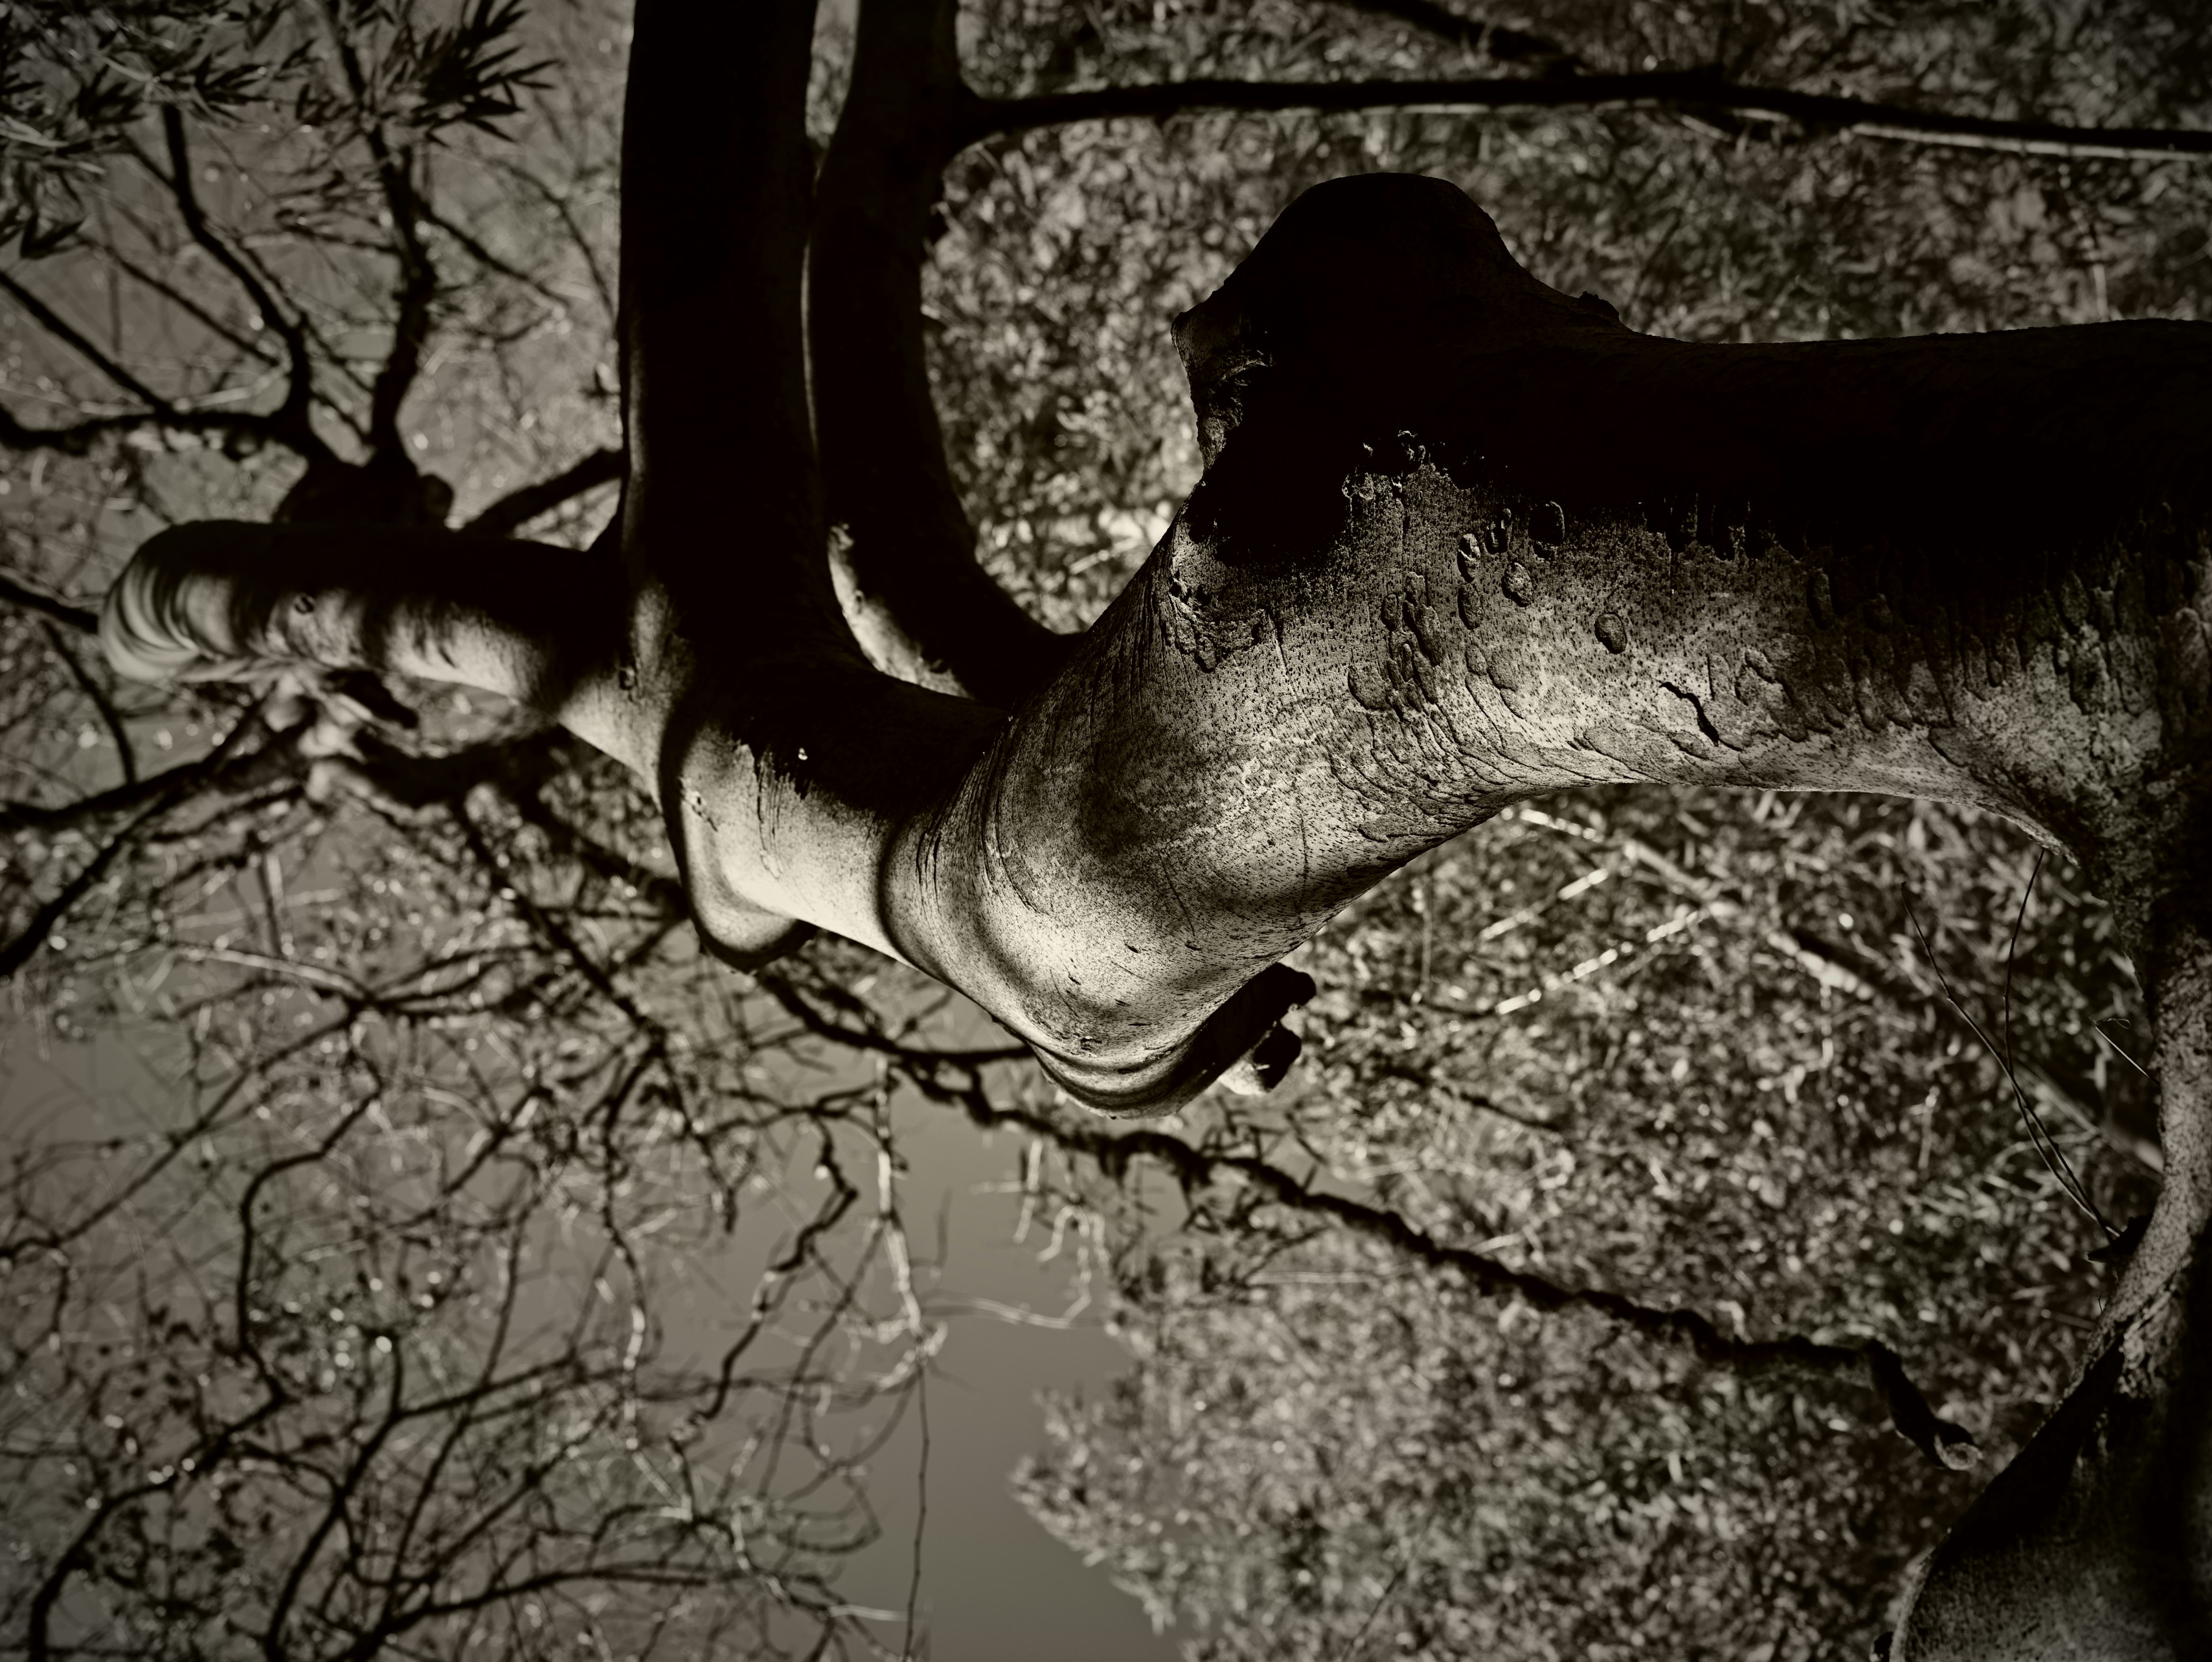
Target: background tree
[1040, 371]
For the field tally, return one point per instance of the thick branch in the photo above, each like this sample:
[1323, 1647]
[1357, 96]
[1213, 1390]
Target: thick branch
[1463, 540]
[529, 621]
[723, 510]
[517, 508]
[921, 606]
[1697, 89]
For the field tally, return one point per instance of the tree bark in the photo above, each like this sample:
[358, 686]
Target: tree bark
[905, 559]
[1460, 540]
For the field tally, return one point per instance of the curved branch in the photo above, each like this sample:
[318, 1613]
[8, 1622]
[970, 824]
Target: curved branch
[110, 717]
[290, 421]
[517, 508]
[63, 330]
[1943, 1443]
[906, 569]
[723, 510]
[1698, 89]
[158, 796]
[418, 275]
[1462, 540]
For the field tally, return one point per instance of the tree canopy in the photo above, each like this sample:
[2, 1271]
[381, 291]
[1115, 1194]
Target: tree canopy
[357, 1344]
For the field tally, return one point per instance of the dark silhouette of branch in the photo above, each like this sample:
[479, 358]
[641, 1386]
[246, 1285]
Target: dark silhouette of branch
[63, 331]
[1698, 88]
[559, 203]
[958, 1084]
[217, 771]
[288, 422]
[920, 606]
[418, 275]
[1507, 46]
[101, 702]
[166, 792]
[16, 592]
[473, 245]
[17, 952]
[1947, 1444]
[253, 346]
[546, 925]
[76, 439]
[517, 508]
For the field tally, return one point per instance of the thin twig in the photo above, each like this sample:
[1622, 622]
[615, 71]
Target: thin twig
[109, 716]
[1696, 88]
[2040, 1138]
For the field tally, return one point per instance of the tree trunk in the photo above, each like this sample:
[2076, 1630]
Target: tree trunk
[1460, 540]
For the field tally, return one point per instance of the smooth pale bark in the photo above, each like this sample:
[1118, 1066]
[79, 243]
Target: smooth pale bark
[225, 600]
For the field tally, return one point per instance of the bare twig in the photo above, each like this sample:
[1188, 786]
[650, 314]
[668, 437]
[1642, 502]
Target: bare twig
[946, 1080]
[289, 420]
[110, 718]
[1698, 89]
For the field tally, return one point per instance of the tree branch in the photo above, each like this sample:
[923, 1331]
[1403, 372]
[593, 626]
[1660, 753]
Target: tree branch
[517, 508]
[484, 257]
[290, 421]
[63, 331]
[177, 297]
[101, 702]
[922, 607]
[530, 621]
[1507, 46]
[1815, 112]
[418, 276]
[83, 619]
[1944, 1443]
[715, 398]
[170, 789]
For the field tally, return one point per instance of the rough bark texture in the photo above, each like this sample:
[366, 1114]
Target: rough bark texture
[1460, 540]
[922, 608]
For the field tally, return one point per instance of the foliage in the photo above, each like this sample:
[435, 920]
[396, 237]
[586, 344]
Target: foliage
[79, 79]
